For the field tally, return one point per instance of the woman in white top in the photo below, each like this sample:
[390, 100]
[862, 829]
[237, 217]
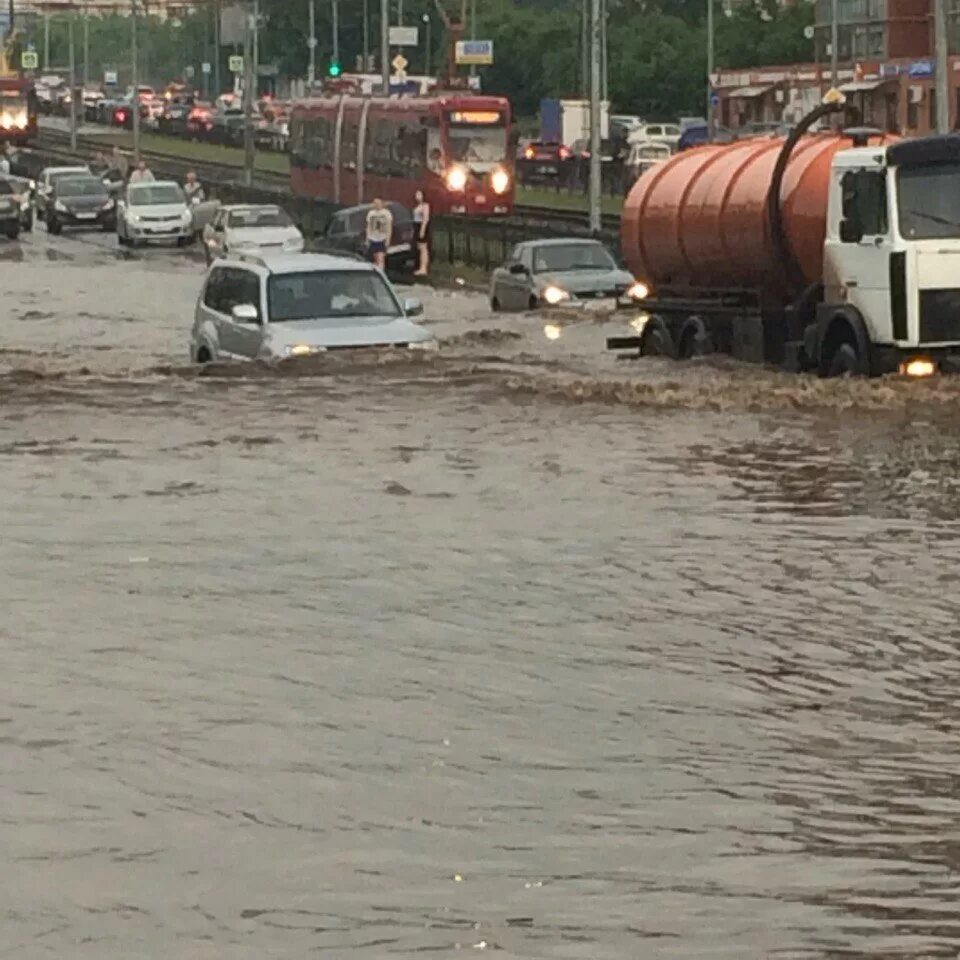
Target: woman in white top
[421, 226]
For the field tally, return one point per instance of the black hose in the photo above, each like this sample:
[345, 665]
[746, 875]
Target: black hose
[793, 276]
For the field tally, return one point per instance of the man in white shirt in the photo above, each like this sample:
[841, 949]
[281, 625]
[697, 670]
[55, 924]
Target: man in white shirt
[143, 174]
[379, 231]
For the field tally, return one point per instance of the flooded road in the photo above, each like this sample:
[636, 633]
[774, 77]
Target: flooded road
[517, 648]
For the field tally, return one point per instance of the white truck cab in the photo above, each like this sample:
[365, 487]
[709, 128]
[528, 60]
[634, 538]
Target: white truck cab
[892, 250]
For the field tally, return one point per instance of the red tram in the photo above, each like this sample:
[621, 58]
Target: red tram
[456, 148]
[18, 109]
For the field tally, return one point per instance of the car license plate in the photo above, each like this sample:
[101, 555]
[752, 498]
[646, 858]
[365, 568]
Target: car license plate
[544, 169]
[86, 216]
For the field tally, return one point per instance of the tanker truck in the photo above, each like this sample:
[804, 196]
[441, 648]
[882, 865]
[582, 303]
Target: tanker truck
[835, 253]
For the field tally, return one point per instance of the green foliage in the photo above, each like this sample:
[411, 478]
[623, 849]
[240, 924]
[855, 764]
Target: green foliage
[657, 48]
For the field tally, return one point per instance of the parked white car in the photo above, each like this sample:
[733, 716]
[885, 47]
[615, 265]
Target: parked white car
[668, 133]
[244, 228]
[278, 305]
[153, 211]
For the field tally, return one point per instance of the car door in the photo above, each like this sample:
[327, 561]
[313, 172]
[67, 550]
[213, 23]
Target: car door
[517, 285]
[214, 234]
[242, 339]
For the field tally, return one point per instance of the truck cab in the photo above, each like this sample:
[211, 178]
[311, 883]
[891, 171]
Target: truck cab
[892, 257]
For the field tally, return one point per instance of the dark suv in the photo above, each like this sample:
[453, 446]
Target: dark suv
[80, 202]
[347, 231]
[9, 210]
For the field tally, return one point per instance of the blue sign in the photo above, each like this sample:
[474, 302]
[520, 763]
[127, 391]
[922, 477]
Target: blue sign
[922, 68]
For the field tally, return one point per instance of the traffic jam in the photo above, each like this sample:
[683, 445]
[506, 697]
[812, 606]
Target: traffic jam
[827, 252]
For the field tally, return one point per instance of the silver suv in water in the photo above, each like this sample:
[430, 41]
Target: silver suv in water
[273, 306]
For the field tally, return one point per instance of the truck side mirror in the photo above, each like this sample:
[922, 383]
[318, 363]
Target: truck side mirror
[850, 231]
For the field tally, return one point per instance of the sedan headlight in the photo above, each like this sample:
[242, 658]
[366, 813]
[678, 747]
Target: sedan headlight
[554, 295]
[456, 178]
[60, 207]
[293, 244]
[638, 291]
[134, 218]
[186, 216]
[429, 346]
[500, 180]
[301, 350]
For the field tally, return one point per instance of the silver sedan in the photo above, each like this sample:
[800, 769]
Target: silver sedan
[561, 273]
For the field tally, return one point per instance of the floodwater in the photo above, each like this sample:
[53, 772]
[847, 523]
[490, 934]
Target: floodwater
[517, 648]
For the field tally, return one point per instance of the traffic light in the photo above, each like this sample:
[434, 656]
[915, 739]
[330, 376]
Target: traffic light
[334, 69]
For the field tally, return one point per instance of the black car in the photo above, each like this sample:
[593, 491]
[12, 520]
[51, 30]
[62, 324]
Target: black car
[23, 195]
[9, 210]
[173, 119]
[81, 202]
[347, 231]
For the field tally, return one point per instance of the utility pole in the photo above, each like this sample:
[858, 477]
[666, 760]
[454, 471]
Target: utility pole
[216, 50]
[366, 36]
[941, 76]
[428, 22]
[584, 49]
[595, 168]
[135, 80]
[46, 39]
[385, 45]
[834, 43]
[336, 31]
[473, 32]
[248, 81]
[711, 120]
[86, 45]
[604, 85]
[312, 43]
[73, 85]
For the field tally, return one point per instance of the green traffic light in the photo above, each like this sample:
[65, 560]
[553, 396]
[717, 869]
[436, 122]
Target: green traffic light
[334, 70]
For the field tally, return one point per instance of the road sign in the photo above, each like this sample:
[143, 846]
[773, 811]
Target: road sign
[404, 37]
[474, 52]
[206, 67]
[29, 60]
[400, 63]
[189, 72]
[236, 64]
[110, 78]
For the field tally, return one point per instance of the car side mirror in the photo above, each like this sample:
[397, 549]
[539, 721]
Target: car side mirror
[412, 307]
[245, 313]
[518, 268]
[850, 231]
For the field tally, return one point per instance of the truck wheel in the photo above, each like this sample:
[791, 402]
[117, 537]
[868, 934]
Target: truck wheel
[844, 362]
[657, 341]
[695, 340]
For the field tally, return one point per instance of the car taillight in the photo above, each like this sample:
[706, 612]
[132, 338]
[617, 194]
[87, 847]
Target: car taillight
[564, 153]
[529, 153]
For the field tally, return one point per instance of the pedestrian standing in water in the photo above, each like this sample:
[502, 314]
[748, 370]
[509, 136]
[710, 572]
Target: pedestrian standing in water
[421, 226]
[143, 174]
[379, 231]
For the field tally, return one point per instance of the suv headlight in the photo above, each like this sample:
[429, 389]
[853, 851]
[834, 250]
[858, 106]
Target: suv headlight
[186, 216]
[294, 244]
[429, 346]
[59, 206]
[554, 295]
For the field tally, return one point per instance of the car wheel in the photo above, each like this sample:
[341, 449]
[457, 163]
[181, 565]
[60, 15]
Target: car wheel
[28, 223]
[494, 304]
[54, 227]
[203, 356]
[532, 304]
[13, 231]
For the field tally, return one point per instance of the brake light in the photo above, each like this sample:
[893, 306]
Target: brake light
[529, 153]
[120, 116]
[565, 153]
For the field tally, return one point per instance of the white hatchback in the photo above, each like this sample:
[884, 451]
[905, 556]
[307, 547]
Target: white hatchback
[247, 228]
[156, 210]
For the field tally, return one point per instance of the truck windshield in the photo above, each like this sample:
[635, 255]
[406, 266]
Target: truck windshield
[929, 200]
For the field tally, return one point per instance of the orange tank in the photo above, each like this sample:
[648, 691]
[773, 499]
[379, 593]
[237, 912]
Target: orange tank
[699, 220]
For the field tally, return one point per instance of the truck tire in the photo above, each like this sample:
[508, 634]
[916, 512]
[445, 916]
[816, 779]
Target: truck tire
[657, 341]
[694, 340]
[844, 362]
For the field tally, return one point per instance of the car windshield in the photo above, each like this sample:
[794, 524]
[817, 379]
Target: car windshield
[474, 144]
[55, 178]
[330, 295]
[6, 188]
[259, 217]
[572, 256]
[80, 188]
[155, 193]
[929, 199]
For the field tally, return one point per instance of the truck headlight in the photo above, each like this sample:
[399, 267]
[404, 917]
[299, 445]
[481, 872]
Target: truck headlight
[554, 295]
[918, 367]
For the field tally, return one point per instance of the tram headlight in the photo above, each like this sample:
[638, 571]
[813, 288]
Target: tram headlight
[500, 180]
[638, 291]
[456, 178]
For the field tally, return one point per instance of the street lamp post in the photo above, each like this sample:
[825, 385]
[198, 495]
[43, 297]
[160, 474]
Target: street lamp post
[835, 43]
[135, 80]
[73, 85]
[385, 45]
[595, 168]
[710, 68]
[336, 31]
[312, 44]
[941, 75]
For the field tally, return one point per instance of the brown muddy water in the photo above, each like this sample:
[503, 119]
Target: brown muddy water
[517, 648]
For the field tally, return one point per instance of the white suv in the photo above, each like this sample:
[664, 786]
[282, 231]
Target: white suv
[274, 306]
